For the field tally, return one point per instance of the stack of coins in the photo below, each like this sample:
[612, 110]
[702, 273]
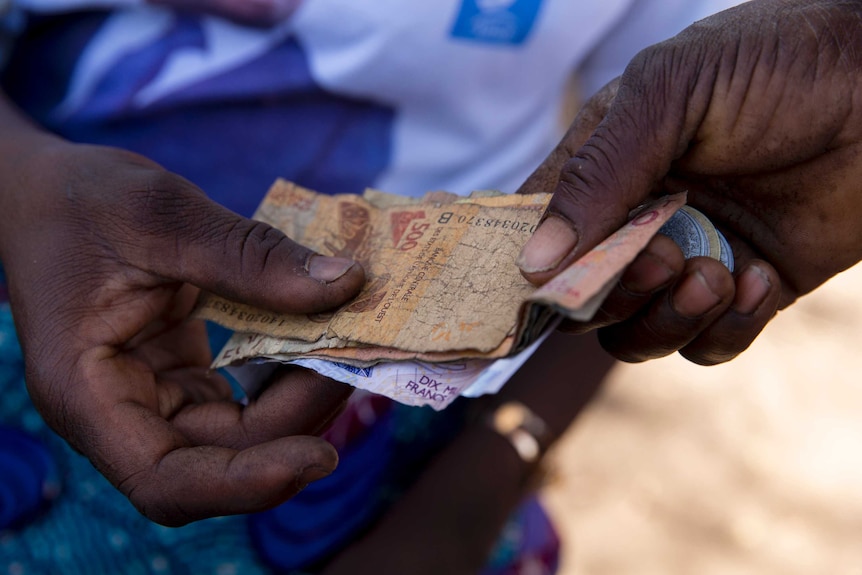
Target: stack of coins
[697, 236]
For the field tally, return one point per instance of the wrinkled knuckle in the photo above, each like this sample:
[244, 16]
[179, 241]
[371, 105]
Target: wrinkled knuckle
[577, 179]
[593, 166]
[257, 244]
[648, 65]
[583, 180]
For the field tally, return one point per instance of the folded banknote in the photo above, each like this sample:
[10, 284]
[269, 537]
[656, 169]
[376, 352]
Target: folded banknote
[445, 311]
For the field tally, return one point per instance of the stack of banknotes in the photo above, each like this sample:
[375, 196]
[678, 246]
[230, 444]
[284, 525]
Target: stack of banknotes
[445, 311]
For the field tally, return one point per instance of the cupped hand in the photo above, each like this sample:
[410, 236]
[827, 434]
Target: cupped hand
[104, 253]
[756, 112]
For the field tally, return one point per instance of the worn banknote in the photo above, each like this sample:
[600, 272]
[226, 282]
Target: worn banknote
[440, 274]
[444, 300]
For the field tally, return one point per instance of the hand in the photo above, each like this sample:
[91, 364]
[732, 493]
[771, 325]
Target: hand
[756, 113]
[104, 253]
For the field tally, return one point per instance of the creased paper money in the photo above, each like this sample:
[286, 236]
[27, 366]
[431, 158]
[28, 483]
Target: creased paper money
[443, 297]
[429, 267]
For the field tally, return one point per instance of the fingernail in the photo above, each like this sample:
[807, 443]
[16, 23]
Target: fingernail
[694, 297]
[549, 245]
[753, 286]
[328, 269]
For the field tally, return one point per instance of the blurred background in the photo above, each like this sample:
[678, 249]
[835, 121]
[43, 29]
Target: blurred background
[752, 467]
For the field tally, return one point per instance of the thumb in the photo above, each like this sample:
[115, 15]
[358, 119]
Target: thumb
[661, 99]
[200, 242]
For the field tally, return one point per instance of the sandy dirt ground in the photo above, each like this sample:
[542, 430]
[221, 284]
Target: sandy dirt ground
[752, 467]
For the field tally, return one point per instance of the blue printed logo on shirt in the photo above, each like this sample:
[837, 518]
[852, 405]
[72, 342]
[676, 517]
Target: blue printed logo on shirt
[496, 21]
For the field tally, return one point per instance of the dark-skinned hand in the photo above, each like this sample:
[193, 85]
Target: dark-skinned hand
[756, 112]
[104, 253]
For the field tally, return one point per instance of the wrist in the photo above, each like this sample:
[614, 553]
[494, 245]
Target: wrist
[526, 432]
[22, 143]
[520, 439]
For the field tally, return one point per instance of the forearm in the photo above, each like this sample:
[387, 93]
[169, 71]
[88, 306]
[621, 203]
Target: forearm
[20, 141]
[45, 182]
[450, 518]
[19, 136]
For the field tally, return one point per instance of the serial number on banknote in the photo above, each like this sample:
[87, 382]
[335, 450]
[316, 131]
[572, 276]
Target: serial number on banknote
[514, 225]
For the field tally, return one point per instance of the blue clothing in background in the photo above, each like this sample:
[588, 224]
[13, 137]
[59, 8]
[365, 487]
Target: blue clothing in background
[232, 134]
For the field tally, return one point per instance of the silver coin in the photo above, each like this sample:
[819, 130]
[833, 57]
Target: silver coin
[694, 239]
[726, 255]
[688, 234]
[708, 229]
